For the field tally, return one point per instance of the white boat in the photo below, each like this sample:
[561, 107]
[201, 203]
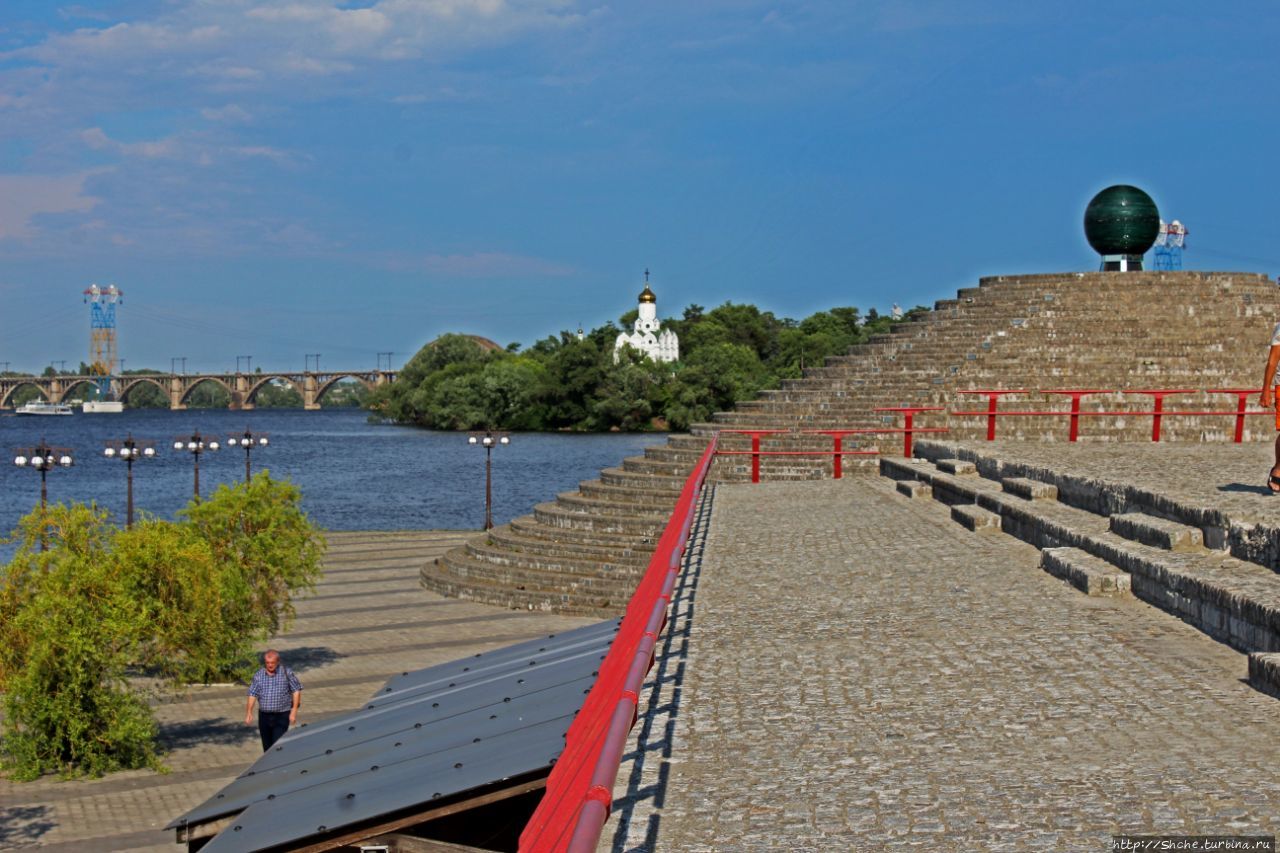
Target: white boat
[40, 407]
[101, 407]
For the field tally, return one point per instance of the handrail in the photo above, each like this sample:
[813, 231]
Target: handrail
[837, 452]
[579, 793]
[1157, 412]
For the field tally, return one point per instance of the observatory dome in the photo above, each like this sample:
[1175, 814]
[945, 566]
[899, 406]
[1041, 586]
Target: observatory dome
[1121, 220]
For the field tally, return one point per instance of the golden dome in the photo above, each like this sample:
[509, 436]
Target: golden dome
[646, 295]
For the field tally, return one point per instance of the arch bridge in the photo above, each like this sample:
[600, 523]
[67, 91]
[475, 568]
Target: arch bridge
[243, 387]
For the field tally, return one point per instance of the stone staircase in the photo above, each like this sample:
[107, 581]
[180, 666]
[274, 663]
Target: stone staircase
[1109, 539]
[583, 552]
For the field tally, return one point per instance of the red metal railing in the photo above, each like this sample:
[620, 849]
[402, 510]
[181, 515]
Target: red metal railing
[1157, 412]
[579, 791]
[837, 451]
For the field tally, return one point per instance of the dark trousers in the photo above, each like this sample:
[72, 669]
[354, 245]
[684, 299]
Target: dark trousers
[272, 724]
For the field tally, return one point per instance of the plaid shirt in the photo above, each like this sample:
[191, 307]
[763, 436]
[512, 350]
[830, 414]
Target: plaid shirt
[275, 692]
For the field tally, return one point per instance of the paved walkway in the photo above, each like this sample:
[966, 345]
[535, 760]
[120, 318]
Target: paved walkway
[862, 674]
[1228, 477]
[368, 620]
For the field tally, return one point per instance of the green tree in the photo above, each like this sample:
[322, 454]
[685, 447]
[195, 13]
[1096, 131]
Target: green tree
[266, 550]
[68, 632]
[711, 380]
[182, 601]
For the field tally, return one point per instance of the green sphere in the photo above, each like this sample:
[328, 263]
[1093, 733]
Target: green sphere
[1121, 220]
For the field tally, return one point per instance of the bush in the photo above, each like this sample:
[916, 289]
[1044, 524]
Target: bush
[181, 601]
[68, 631]
[265, 550]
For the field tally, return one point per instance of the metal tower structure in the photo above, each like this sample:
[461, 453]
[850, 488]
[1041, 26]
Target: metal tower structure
[1169, 245]
[102, 333]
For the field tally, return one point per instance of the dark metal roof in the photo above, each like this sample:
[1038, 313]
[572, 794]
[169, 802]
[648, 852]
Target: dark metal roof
[426, 734]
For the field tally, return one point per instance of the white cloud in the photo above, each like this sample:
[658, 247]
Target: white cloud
[256, 42]
[230, 114]
[28, 196]
[97, 139]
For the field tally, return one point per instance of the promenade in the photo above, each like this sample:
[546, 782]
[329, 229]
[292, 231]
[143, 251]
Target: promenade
[859, 672]
[369, 619]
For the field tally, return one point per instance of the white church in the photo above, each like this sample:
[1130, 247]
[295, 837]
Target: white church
[648, 336]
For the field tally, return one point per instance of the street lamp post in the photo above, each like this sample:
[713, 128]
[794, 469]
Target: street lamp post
[488, 439]
[43, 458]
[128, 449]
[195, 445]
[249, 441]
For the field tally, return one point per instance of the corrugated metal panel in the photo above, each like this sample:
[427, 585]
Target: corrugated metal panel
[425, 735]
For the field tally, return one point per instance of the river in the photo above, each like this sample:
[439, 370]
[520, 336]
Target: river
[354, 475]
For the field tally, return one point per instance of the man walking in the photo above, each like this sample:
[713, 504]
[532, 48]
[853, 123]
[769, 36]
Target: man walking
[279, 693]
[1269, 399]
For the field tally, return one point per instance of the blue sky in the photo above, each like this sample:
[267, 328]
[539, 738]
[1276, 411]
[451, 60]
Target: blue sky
[300, 176]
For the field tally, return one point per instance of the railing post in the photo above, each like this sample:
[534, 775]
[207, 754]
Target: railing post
[1075, 406]
[836, 467]
[755, 457]
[906, 434]
[993, 396]
[1157, 407]
[1242, 404]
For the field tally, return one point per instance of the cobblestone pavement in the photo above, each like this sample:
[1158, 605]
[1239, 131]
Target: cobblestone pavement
[1228, 477]
[368, 620]
[864, 674]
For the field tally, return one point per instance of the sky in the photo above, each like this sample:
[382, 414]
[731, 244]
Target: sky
[278, 178]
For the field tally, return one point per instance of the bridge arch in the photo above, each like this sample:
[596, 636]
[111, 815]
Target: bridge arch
[127, 386]
[76, 383]
[217, 380]
[325, 387]
[6, 400]
[297, 383]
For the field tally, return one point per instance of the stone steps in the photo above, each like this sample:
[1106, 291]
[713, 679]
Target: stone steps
[615, 507]
[658, 497]
[1232, 600]
[506, 540]
[529, 572]
[1043, 331]
[1087, 573]
[636, 479]
[567, 601]
[529, 525]
[554, 515]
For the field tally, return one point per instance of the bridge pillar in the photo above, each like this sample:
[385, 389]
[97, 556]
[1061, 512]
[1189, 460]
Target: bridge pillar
[309, 392]
[240, 396]
[56, 391]
[175, 394]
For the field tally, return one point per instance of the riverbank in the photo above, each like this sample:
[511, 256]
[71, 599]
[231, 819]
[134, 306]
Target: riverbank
[368, 619]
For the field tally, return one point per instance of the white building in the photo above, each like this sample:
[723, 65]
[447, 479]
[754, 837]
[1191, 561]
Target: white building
[648, 336]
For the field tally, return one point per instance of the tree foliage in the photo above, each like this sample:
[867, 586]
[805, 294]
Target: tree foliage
[180, 601]
[728, 354]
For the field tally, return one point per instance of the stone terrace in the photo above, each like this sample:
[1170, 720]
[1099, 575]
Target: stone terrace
[864, 673]
[369, 620]
[583, 551]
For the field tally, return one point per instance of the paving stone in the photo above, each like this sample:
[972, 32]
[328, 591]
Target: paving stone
[975, 518]
[1157, 532]
[957, 467]
[862, 656]
[1032, 490]
[1087, 573]
[914, 489]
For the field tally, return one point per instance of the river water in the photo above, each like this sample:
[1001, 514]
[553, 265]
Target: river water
[354, 475]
